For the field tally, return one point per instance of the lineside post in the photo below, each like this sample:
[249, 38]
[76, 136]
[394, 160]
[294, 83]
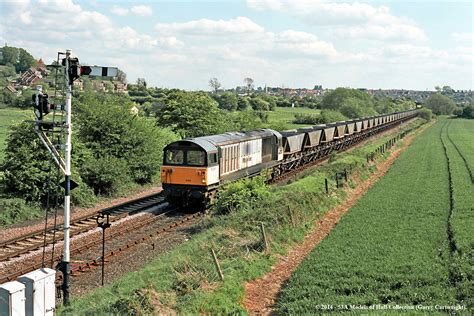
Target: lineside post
[65, 265]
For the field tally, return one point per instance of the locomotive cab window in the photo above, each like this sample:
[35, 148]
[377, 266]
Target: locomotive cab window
[196, 158]
[174, 156]
[212, 158]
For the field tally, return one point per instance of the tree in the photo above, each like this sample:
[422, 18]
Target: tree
[25, 61]
[468, 112]
[214, 84]
[141, 83]
[249, 84]
[121, 76]
[243, 103]
[426, 114]
[440, 104]
[125, 147]
[227, 101]
[191, 114]
[258, 104]
[336, 99]
[27, 162]
[10, 55]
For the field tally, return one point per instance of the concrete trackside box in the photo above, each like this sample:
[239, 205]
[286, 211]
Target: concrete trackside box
[40, 292]
[12, 299]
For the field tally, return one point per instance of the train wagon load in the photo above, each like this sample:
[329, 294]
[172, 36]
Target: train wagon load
[312, 136]
[358, 126]
[327, 132]
[292, 142]
[349, 129]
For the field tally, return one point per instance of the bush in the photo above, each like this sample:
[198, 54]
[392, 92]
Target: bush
[15, 209]
[468, 112]
[310, 119]
[426, 114]
[241, 195]
[106, 175]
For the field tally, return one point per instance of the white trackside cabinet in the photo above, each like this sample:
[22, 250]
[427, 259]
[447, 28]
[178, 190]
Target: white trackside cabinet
[40, 292]
[12, 299]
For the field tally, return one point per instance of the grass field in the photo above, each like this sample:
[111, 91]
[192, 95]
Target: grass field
[404, 242]
[8, 117]
[285, 116]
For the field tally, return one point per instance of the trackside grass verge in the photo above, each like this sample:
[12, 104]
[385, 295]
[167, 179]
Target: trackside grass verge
[393, 246]
[185, 279]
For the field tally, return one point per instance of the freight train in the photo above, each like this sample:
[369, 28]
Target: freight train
[194, 168]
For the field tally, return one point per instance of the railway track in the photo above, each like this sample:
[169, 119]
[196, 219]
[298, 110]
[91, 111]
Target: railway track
[92, 245]
[33, 241]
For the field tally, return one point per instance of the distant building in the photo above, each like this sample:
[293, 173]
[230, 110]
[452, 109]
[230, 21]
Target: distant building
[11, 88]
[301, 92]
[98, 85]
[78, 84]
[119, 86]
[42, 67]
[30, 77]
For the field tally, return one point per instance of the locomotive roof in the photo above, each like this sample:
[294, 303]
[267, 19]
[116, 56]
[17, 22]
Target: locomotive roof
[210, 143]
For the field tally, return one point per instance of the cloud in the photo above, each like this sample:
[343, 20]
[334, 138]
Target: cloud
[463, 37]
[304, 43]
[353, 20]
[141, 10]
[119, 11]
[211, 27]
[187, 54]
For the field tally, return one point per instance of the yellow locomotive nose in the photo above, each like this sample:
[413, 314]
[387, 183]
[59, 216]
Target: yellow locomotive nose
[183, 175]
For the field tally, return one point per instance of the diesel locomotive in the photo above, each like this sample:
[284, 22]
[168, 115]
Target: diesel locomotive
[194, 168]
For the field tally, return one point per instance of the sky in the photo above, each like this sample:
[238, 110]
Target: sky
[278, 43]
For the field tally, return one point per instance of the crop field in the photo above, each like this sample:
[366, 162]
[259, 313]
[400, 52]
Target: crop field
[285, 116]
[8, 117]
[408, 241]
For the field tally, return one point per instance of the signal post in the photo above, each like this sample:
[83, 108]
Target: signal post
[72, 71]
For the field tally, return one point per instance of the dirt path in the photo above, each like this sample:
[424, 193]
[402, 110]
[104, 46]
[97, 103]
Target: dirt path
[261, 294]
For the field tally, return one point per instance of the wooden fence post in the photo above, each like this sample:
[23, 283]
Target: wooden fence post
[264, 236]
[218, 266]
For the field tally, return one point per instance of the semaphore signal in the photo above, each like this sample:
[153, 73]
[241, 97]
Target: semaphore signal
[60, 130]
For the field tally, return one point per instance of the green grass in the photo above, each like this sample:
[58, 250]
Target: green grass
[392, 246]
[462, 218]
[185, 278]
[284, 116]
[8, 117]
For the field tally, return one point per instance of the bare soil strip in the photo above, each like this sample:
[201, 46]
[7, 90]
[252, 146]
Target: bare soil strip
[261, 294]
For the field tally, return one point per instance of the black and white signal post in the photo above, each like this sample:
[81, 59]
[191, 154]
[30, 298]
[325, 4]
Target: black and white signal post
[72, 71]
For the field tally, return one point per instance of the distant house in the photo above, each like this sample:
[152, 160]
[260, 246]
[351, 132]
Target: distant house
[98, 85]
[78, 84]
[30, 77]
[119, 86]
[301, 92]
[42, 67]
[10, 88]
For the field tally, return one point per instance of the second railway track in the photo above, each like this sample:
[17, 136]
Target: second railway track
[23, 244]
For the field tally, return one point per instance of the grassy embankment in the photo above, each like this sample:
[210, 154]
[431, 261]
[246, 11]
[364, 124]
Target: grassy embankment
[393, 246]
[8, 117]
[185, 279]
